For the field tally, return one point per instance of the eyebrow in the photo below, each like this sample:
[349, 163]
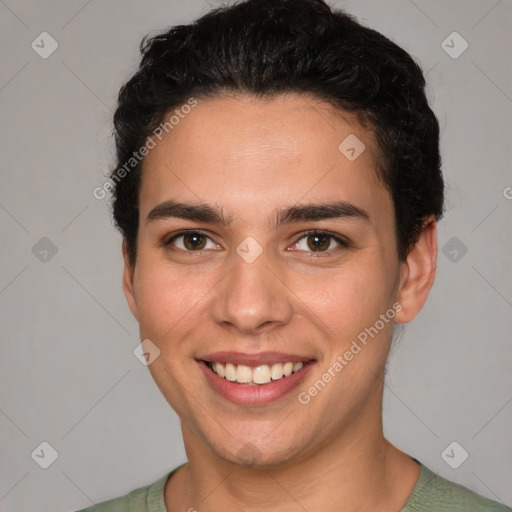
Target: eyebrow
[202, 212]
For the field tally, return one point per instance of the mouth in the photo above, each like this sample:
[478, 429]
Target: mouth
[255, 379]
[257, 376]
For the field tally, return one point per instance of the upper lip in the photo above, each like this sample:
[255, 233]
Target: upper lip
[254, 360]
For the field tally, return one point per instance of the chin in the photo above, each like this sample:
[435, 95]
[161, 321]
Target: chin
[263, 457]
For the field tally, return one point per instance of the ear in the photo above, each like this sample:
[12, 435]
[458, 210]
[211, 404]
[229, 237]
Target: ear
[418, 273]
[128, 282]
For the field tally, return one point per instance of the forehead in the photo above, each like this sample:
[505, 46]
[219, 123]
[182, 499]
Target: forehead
[253, 155]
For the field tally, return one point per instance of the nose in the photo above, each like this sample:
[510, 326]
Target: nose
[251, 299]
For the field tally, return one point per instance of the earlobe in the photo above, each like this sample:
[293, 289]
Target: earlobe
[418, 273]
[128, 273]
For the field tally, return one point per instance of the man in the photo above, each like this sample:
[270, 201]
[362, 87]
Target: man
[278, 186]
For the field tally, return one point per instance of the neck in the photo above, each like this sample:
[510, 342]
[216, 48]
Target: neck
[357, 471]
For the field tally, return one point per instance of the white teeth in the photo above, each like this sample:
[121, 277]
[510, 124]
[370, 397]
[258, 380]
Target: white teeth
[276, 371]
[297, 367]
[287, 369]
[230, 372]
[262, 374]
[219, 369]
[243, 374]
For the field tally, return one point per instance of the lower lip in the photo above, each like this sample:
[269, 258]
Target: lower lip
[258, 394]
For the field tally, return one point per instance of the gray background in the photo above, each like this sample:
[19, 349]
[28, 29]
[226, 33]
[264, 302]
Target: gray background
[68, 373]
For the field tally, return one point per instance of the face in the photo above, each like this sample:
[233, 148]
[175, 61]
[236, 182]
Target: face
[290, 258]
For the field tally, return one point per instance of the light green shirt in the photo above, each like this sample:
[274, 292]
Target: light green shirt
[432, 493]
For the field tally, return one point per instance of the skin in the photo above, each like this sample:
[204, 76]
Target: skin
[253, 157]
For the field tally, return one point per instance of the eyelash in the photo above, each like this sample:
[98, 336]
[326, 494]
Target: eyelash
[343, 244]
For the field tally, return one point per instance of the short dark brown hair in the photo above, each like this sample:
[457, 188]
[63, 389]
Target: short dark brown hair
[267, 47]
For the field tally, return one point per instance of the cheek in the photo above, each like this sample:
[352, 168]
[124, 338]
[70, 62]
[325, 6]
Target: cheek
[346, 299]
[170, 301]
[168, 298]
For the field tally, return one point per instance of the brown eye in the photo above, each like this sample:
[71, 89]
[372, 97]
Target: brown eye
[318, 242]
[194, 241]
[191, 241]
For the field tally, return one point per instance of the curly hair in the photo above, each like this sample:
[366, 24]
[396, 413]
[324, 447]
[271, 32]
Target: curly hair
[267, 47]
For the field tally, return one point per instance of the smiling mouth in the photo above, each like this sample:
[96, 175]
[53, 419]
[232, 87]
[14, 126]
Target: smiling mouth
[255, 376]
